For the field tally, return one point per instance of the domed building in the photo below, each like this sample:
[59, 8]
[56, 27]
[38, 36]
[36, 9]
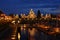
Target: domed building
[31, 14]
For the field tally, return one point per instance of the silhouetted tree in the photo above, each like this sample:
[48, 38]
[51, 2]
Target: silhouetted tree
[12, 15]
[53, 16]
[38, 14]
[1, 12]
[19, 16]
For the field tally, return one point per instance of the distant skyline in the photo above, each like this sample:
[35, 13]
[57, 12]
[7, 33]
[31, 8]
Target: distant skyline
[24, 6]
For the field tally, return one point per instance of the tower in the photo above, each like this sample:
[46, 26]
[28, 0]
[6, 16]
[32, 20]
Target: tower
[31, 14]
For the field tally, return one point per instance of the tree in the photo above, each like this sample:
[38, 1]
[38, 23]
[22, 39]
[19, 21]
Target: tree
[38, 14]
[1, 12]
[53, 16]
[12, 15]
[19, 16]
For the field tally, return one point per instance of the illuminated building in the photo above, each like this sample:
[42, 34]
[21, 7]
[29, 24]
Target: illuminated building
[42, 16]
[8, 18]
[16, 16]
[2, 15]
[57, 29]
[47, 16]
[23, 16]
[58, 17]
[31, 14]
[12, 15]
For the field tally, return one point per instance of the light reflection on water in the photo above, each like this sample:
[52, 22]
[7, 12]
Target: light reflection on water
[19, 36]
[33, 34]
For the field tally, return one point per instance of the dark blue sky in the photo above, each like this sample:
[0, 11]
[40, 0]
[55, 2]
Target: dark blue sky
[23, 6]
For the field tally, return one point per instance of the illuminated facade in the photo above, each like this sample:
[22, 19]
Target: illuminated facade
[31, 15]
[42, 16]
[47, 16]
[58, 17]
[8, 18]
[23, 16]
[16, 16]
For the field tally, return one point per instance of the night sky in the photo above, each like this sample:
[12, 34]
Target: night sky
[23, 6]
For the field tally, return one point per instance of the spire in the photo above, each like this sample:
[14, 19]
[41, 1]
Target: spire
[32, 14]
[31, 11]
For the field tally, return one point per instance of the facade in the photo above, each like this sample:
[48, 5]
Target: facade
[31, 15]
[23, 16]
[47, 16]
[42, 16]
[58, 17]
[16, 16]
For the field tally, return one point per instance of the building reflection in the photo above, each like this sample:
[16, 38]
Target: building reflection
[34, 27]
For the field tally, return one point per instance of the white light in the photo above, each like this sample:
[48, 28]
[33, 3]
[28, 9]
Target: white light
[18, 21]
[13, 22]
[13, 38]
[19, 36]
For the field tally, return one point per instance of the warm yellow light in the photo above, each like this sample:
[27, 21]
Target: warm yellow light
[51, 33]
[19, 36]
[13, 38]
[32, 32]
[57, 29]
[13, 22]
